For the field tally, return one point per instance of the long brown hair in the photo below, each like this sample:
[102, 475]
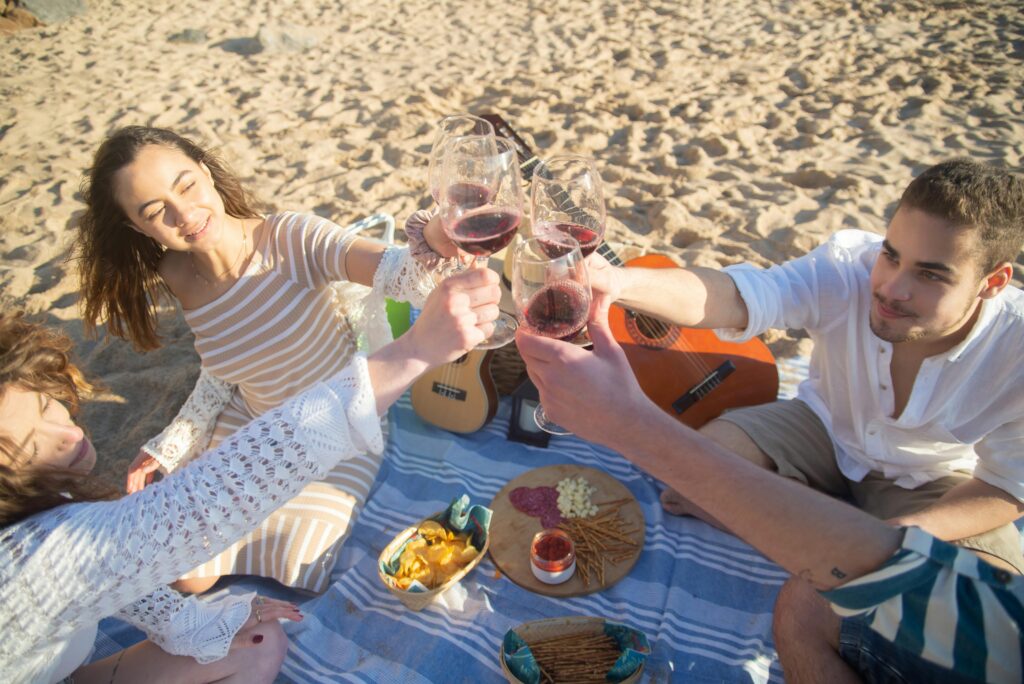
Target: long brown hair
[118, 266]
[37, 358]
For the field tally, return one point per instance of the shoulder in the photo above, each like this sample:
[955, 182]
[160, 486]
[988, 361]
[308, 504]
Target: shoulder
[1010, 311]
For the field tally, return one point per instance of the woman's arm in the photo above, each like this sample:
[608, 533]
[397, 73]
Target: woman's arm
[74, 565]
[187, 625]
[188, 434]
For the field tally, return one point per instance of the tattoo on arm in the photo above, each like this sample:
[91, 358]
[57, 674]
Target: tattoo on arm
[836, 572]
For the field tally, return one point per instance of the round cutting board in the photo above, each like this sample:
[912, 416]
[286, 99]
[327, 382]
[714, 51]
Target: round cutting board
[512, 530]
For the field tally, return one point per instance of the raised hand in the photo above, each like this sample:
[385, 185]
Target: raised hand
[457, 316]
[605, 279]
[592, 393]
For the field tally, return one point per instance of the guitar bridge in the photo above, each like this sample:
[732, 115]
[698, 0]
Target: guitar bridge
[704, 387]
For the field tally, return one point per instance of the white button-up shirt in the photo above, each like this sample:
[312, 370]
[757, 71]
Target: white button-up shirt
[966, 409]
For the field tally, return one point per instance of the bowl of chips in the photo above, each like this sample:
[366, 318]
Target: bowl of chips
[425, 560]
[578, 648]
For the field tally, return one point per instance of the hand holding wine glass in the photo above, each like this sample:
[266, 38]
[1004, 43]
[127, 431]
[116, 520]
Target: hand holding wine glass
[481, 205]
[567, 197]
[552, 294]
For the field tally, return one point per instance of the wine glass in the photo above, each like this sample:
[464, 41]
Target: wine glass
[567, 197]
[450, 127]
[481, 206]
[551, 291]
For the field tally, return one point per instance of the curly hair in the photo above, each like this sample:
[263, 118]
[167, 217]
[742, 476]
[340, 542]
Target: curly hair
[36, 358]
[969, 194]
[120, 282]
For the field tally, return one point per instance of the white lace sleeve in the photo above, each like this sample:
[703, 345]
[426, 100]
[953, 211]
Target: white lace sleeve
[189, 433]
[399, 276]
[187, 625]
[69, 567]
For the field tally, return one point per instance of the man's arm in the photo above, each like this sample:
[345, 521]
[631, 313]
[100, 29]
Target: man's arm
[810, 534]
[696, 297]
[971, 507]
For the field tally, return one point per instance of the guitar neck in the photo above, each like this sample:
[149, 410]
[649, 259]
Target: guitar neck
[528, 159]
[608, 253]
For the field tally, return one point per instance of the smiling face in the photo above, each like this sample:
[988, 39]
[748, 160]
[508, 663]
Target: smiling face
[927, 282]
[43, 431]
[171, 198]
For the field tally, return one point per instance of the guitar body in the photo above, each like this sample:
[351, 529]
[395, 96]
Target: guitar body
[459, 396]
[670, 362]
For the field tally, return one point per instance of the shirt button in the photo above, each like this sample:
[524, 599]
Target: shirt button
[884, 386]
[1002, 576]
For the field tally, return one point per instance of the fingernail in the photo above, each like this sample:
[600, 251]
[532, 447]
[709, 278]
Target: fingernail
[258, 639]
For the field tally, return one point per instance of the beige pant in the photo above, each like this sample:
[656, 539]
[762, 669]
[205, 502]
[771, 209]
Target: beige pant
[795, 439]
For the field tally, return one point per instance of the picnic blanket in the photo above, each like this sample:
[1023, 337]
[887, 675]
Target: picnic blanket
[703, 597]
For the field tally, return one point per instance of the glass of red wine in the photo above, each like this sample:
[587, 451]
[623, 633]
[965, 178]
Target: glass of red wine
[481, 206]
[448, 128]
[567, 197]
[551, 291]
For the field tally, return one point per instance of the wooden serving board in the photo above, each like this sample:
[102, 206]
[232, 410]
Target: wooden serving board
[512, 530]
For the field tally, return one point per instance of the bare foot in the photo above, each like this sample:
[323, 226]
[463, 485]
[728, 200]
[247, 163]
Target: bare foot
[673, 502]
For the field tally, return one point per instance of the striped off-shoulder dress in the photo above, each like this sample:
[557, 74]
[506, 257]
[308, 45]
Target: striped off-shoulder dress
[278, 330]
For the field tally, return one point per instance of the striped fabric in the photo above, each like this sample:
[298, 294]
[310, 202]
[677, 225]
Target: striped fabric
[945, 604]
[703, 597]
[273, 334]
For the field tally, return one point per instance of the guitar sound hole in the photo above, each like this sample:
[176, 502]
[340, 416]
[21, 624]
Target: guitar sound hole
[650, 332]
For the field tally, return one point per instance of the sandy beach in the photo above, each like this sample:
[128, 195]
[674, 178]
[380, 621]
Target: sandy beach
[725, 132]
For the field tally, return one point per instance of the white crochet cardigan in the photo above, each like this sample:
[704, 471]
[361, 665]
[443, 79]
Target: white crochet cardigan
[399, 276]
[64, 570]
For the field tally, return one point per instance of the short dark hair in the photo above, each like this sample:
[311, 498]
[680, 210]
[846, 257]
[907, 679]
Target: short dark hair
[969, 194]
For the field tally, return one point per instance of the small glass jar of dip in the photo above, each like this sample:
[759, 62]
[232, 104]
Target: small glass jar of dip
[552, 556]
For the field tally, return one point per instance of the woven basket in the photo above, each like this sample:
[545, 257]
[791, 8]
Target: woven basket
[508, 370]
[418, 600]
[539, 630]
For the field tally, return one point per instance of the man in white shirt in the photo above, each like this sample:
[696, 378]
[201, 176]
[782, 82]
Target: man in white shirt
[914, 406]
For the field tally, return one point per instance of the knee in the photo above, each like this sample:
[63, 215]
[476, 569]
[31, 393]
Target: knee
[268, 655]
[733, 438]
[198, 585]
[801, 615]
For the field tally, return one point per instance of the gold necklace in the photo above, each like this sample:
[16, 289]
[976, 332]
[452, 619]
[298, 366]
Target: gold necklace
[200, 276]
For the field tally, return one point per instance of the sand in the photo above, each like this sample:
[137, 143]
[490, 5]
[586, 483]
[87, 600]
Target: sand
[731, 132]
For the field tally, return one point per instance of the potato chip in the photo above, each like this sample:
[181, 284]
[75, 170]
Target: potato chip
[433, 556]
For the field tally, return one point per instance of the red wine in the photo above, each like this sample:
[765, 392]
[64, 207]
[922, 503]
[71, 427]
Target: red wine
[485, 233]
[588, 238]
[469, 195]
[558, 310]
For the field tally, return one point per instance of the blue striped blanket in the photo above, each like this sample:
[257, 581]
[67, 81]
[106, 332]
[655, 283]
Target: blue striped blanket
[703, 597]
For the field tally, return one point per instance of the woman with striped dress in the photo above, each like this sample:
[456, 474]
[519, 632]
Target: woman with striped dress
[261, 295]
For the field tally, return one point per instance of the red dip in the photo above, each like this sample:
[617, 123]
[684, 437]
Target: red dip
[552, 551]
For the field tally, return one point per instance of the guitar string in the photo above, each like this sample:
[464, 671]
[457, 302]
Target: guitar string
[659, 327]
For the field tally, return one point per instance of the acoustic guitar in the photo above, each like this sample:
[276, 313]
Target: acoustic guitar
[689, 372]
